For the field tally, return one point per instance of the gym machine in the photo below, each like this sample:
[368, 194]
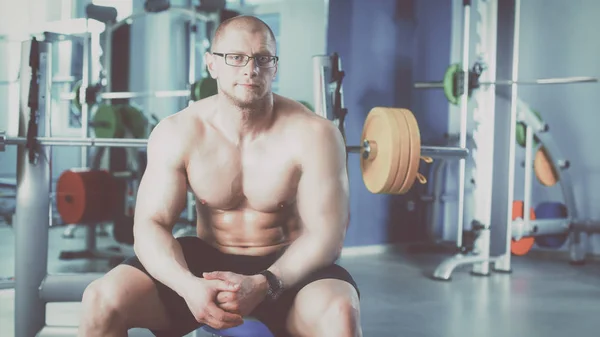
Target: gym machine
[96, 96]
[493, 159]
[389, 164]
[34, 287]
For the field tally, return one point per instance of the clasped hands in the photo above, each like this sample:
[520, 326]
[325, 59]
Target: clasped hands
[226, 298]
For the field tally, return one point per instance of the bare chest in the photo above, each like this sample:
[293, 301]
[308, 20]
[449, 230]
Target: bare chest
[263, 178]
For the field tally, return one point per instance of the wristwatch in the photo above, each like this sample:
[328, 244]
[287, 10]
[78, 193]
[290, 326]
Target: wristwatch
[275, 285]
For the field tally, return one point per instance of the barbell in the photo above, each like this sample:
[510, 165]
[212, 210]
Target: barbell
[391, 149]
[454, 77]
[198, 90]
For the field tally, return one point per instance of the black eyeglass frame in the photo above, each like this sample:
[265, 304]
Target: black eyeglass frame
[274, 59]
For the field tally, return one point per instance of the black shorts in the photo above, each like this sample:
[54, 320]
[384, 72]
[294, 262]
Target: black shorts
[201, 257]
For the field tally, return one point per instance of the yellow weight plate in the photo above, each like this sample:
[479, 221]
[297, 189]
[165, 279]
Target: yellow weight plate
[403, 148]
[379, 169]
[415, 151]
[543, 168]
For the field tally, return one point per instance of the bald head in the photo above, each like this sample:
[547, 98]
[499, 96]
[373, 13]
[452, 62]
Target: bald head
[245, 23]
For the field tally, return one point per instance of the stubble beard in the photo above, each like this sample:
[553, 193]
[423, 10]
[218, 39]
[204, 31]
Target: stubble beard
[249, 107]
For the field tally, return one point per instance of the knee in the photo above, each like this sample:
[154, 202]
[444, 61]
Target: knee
[342, 314]
[101, 304]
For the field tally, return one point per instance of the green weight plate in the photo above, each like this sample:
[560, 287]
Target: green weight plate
[520, 132]
[449, 83]
[107, 122]
[203, 88]
[307, 105]
[135, 120]
[195, 91]
[208, 87]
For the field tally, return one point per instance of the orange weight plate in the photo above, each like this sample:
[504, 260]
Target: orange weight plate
[85, 196]
[415, 151]
[403, 148]
[524, 245]
[543, 168]
[379, 169]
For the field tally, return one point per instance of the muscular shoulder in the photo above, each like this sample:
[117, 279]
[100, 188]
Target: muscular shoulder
[312, 134]
[172, 138]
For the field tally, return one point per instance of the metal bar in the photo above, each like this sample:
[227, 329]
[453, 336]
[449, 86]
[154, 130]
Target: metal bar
[8, 283]
[85, 83]
[321, 73]
[354, 149]
[504, 262]
[464, 118]
[193, 29]
[32, 202]
[108, 59]
[444, 270]
[527, 181]
[588, 226]
[72, 141]
[125, 94]
[428, 151]
[192, 36]
[481, 165]
[541, 81]
[428, 85]
[66, 288]
[55, 80]
[71, 331]
[164, 93]
[538, 227]
[441, 152]
[563, 80]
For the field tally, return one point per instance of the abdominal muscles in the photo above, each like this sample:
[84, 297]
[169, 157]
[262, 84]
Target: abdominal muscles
[247, 231]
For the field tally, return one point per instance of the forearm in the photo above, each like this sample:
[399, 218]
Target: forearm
[161, 254]
[305, 255]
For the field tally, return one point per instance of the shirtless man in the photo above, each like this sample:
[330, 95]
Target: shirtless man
[270, 177]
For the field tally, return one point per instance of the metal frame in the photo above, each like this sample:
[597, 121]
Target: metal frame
[194, 16]
[492, 216]
[483, 149]
[34, 287]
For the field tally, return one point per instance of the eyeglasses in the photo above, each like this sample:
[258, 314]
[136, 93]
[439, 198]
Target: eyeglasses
[241, 60]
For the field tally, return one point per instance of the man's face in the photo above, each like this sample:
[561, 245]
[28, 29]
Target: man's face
[244, 83]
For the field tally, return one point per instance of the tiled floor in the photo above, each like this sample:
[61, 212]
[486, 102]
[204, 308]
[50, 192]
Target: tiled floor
[544, 296]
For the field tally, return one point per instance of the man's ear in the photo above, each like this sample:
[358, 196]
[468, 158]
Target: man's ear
[209, 60]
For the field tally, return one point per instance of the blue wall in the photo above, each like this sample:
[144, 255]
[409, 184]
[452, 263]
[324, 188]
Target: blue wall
[385, 46]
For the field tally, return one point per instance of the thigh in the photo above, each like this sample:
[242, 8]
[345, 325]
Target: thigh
[299, 308]
[313, 301]
[133, 294]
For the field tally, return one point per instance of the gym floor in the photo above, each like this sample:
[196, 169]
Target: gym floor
[544, 296]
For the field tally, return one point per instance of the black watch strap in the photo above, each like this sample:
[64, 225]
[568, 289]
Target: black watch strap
[275, 285]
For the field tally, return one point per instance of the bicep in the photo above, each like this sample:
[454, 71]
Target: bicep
[161, 194]
[323, 187]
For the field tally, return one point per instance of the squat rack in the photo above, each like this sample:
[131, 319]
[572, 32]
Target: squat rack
[34, 287]
[495, 155]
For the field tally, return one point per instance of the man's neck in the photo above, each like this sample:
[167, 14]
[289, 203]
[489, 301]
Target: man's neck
[244, 123]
